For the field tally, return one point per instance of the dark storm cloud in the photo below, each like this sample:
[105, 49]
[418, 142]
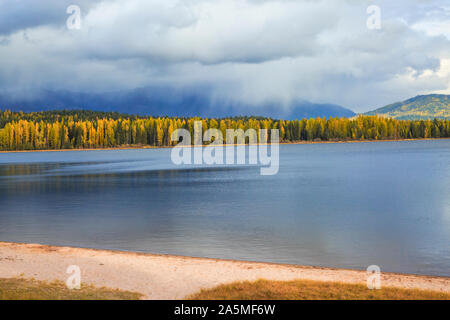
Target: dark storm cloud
[245, 50]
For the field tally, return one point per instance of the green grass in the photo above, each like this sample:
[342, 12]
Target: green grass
[24, 289]
[311, 290]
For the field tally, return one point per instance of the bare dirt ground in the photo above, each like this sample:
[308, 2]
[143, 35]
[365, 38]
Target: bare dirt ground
[173, 277]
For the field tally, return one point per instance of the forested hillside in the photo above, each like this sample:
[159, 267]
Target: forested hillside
[421, 107]
[88, 129]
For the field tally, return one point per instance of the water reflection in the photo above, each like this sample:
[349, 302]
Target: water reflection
[331, 205]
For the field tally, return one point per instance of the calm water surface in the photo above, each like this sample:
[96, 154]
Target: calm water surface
[338, 205]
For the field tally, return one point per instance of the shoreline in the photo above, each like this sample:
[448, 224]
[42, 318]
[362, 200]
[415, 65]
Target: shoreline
[160, 276]
[143, 147]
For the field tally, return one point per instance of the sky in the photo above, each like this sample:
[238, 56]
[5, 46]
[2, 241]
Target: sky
[250, 51]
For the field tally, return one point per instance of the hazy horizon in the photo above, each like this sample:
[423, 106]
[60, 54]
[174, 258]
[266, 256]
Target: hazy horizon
[243, 51]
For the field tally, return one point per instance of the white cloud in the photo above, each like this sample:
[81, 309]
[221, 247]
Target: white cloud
[246, 50]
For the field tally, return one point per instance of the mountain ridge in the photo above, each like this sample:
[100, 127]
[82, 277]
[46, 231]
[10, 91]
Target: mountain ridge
[421, 107]
[169, 102]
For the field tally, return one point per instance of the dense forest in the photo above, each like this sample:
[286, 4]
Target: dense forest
[88, 129]
[418, 108]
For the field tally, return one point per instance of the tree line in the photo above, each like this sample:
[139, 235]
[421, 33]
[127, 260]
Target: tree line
[89, 129]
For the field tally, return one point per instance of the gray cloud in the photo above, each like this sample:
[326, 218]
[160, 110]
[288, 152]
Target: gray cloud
[246, 50]
[17, 15]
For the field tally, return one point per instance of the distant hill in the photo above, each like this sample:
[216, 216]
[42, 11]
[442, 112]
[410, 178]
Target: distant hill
[420, 107]
[164, 101]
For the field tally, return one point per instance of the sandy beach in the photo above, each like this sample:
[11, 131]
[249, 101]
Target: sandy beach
[173, 277]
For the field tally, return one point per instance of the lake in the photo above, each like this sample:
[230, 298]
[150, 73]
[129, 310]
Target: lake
[335, 205]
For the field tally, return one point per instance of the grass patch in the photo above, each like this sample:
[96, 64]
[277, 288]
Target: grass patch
[311, 290]
[25, 289]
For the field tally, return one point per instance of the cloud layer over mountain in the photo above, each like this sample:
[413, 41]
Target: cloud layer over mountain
[243, 51]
